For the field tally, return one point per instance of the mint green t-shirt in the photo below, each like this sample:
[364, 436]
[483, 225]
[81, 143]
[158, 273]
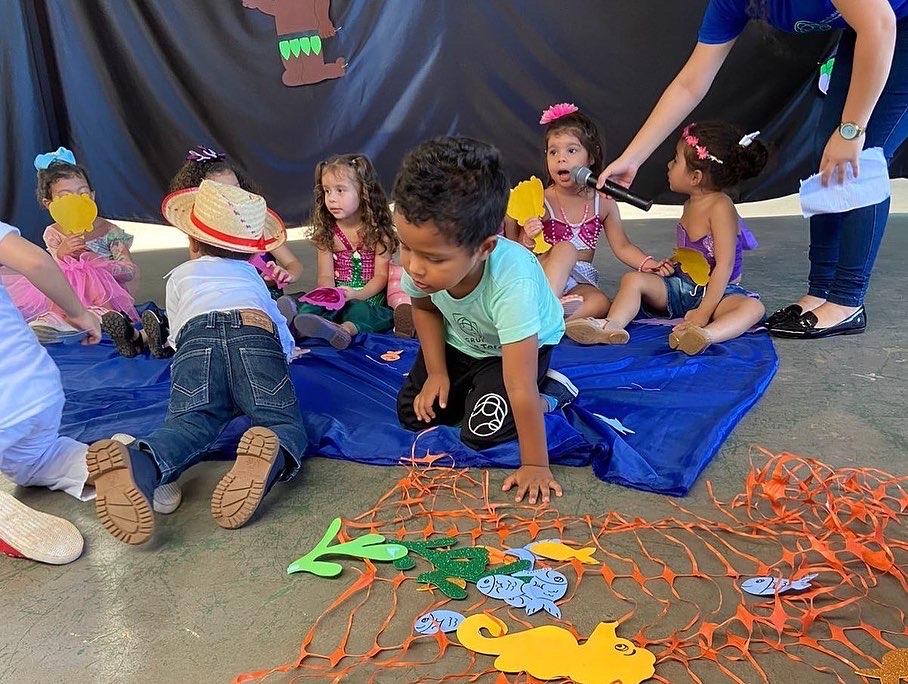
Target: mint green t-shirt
[512, 302]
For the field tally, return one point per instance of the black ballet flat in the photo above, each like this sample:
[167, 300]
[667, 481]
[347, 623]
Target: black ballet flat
[783, 315]
[805, 327]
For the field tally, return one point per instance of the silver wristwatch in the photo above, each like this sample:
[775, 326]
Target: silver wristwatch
[850, 130]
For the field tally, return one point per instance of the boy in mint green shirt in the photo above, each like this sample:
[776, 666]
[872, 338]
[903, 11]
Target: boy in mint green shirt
[486, 318]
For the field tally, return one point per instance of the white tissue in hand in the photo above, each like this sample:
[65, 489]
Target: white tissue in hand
[870, 187]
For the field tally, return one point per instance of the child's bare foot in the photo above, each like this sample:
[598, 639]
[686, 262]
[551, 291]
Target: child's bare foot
[596, 331]
[310, 325]
[121, 506]
[403, 321]
[241, 490]
[571, 304]
[690, 339]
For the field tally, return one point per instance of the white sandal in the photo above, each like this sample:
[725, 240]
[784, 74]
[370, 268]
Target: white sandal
[593, 331]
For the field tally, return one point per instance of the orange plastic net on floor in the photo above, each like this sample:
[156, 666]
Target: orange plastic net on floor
[673, 583]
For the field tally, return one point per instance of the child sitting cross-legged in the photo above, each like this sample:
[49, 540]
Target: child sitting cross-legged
[232, 346]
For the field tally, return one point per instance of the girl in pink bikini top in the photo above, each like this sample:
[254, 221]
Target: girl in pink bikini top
[571, 140]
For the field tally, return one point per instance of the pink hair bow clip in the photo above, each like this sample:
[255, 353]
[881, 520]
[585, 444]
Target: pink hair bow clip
[556, 111]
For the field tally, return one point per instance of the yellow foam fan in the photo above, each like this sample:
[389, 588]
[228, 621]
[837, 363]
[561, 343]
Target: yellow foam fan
[526, 202]
[75, 214]
[693, 263]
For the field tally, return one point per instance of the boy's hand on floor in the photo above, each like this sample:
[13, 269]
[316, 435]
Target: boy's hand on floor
[436, 386]
[534, 482]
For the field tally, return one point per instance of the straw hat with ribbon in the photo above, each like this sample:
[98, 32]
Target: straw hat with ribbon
[225, 216]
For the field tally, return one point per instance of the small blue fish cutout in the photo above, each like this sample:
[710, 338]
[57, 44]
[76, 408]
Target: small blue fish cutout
[545, 584]
[499, 586]
[768, 586]
[533, 591]
[438, 621]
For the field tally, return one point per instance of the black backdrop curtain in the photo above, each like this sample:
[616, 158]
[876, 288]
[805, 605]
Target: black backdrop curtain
[129, 85]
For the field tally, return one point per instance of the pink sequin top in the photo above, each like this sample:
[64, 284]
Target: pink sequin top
[582, 235]
[353, 266]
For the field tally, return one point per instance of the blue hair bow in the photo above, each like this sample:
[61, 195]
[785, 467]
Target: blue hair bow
[42, 161]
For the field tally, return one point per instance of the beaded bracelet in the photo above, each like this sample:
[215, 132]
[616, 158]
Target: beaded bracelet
[643, 263]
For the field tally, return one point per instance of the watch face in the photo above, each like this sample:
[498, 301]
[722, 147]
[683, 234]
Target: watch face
[848, 131]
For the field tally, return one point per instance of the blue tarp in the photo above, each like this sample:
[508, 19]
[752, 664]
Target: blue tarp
[680, 409]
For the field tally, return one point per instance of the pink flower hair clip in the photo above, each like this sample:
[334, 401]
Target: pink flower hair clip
[556, 111]
[701, 150]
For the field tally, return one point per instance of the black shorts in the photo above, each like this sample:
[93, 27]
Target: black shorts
[477, 398]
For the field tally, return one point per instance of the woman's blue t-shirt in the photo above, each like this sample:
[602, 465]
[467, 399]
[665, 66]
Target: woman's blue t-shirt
[726, 19]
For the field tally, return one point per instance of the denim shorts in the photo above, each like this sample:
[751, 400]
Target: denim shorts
[684, 295]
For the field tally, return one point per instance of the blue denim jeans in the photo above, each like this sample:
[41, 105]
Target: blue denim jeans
[843, 247]
[222, 369]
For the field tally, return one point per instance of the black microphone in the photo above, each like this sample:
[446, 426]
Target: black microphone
[583, 176]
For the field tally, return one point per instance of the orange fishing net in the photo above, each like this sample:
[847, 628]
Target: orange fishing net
[795, 515]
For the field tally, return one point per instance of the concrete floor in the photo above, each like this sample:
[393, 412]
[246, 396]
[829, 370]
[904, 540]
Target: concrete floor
[200, 604]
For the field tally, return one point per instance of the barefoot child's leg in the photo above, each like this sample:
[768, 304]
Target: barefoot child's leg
[557, 264]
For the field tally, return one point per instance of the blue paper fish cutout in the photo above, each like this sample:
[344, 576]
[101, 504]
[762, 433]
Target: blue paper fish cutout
[768, 586]
[533, 591]
[545, 584]
[437, 621]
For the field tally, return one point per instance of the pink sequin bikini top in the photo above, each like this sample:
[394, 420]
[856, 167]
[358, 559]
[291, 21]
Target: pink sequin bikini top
[704, 245]
[584, 235]
[353, 265]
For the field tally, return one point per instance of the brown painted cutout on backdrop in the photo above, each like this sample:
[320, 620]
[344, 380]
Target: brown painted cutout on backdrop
[300, 26]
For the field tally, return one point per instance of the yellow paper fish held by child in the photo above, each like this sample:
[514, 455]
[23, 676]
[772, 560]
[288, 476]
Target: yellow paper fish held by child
[75, 214]
[525, 202]
[562, 552]
[551, 652]
[693, 263]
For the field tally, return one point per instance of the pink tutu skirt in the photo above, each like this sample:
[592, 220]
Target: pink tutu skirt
[92, 277]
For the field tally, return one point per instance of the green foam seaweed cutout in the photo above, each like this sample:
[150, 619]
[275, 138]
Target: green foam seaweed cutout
[371, 546]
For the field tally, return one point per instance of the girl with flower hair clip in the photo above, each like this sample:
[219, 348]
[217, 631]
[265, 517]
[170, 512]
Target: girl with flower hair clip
[710, 158]
[575, 216]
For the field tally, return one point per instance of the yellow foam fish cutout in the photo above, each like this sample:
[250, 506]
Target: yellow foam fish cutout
[693, 263]
[525, 202]
[75, 214]
[562, 552]
[894, 667]
[551, 652]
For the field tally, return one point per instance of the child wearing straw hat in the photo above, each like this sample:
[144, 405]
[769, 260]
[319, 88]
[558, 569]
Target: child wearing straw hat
[232, 348]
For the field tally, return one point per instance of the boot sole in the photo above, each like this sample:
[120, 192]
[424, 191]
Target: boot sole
[240, 491]
[120, 330]
[120, 505]
[151, 324]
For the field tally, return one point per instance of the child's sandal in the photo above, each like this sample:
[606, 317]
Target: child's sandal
[691, 340]
[126, 338]
[593, 331]
[310, 325]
